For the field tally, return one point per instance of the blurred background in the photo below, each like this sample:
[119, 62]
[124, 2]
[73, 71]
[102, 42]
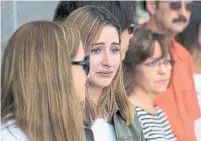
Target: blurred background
[15, 13]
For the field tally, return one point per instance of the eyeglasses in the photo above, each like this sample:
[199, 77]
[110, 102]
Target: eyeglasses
[156, 63]
[84, 64]
[176, 5]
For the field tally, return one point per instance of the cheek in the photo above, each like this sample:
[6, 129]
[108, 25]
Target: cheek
[116, 61]
[164, 16]
[144, 78]
[188, 15]
[95, 62]
[75, 79]
[169, 74]
[79, 80]
[148, 80]
[168, 18]
[199, 38]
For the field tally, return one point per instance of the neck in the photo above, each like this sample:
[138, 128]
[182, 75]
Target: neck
[158, 28]
[143, 100]
[94, 93]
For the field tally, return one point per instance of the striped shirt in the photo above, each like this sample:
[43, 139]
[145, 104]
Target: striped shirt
[155, 127]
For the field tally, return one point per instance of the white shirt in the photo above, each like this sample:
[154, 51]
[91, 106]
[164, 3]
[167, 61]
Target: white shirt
[197, 81]
[10, 132]
[103, 131]
[198, 129]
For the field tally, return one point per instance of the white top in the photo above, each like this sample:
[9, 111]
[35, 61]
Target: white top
[197, 81]
[10, 132]
[198, 129]
[103, 131]
[155, 127]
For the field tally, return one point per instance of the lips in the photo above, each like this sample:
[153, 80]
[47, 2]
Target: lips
[105, 73]
[162, 81]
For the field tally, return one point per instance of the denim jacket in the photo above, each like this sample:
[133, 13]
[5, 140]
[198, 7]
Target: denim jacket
[133, 132]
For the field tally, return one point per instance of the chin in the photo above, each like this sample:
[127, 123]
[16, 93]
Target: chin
[178, 29]
[161, 90]
[100, 83]
[103, 84]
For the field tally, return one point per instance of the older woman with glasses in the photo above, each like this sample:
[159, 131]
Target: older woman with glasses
[147, 72]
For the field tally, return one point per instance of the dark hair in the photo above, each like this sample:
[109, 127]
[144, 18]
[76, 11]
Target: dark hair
[144, 5]
[189, 37]
[124, 11]
[141, 47]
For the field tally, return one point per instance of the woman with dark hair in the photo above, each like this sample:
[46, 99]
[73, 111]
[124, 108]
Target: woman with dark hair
[147, 72]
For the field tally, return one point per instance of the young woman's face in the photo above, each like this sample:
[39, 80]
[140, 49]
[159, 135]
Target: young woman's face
[153, 75]
[104, 58]
[79, 75]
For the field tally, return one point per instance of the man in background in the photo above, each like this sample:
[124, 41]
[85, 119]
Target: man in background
[179, 102]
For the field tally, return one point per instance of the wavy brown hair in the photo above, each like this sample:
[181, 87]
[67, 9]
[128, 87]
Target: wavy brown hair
[90, 21]
[141, 47]
[36, 82]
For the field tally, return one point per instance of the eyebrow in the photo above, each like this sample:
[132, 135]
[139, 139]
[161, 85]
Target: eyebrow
[97, 44]
[155, 58]
[102, 43]
[159, 58]
[117, 44]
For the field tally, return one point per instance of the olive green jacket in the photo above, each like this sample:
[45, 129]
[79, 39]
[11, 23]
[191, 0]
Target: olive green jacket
[133, 132]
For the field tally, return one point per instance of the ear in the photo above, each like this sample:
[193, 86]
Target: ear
[151, 7]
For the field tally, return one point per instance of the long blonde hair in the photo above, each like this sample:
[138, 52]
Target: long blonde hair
[36, 82]
[90, 21]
